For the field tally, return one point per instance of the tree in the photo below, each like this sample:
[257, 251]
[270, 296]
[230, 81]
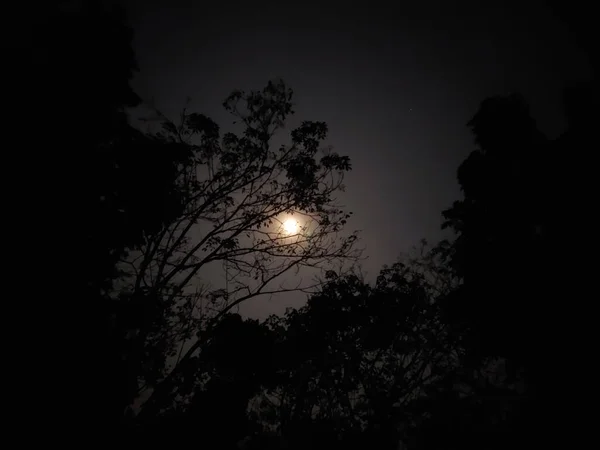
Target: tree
[92, 186]
[498, 227]
[236, 191]
[352, 363]
[525, 197]
[231, 369]
[110, 184]
[84, 87]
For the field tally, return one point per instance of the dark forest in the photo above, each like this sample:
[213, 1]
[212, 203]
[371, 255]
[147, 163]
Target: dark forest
[168, 225]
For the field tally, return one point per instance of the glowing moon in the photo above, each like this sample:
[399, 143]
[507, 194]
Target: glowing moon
[290, 226]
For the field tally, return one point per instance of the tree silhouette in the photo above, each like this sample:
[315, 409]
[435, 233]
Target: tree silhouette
[498, 226]
[235, 192]
[459, 347]
[354, 361]
[352, 368]
[73, 76]
[231, 369]
[84, 87]
[524, 200]
[106, 187]
[153, 211]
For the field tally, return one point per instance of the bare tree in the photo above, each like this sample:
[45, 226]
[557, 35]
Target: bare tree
[266, 213]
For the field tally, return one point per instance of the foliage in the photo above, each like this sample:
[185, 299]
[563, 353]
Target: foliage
[451, 347]
[234, 191]
[354, 360]
[524, 198]
[502, 215]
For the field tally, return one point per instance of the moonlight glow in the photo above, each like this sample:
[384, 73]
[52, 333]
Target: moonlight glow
[290, 226]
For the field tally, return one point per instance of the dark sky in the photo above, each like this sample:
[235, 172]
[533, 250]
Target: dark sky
[395, 81]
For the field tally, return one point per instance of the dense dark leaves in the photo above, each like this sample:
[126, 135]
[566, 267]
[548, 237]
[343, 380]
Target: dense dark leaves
[351, 362]
[500, 216]
[74, 71]
[524, 200]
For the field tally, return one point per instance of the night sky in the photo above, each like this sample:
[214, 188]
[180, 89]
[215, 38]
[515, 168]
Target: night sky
[395, 81]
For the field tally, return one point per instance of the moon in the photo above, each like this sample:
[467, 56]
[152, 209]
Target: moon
[290, 226]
